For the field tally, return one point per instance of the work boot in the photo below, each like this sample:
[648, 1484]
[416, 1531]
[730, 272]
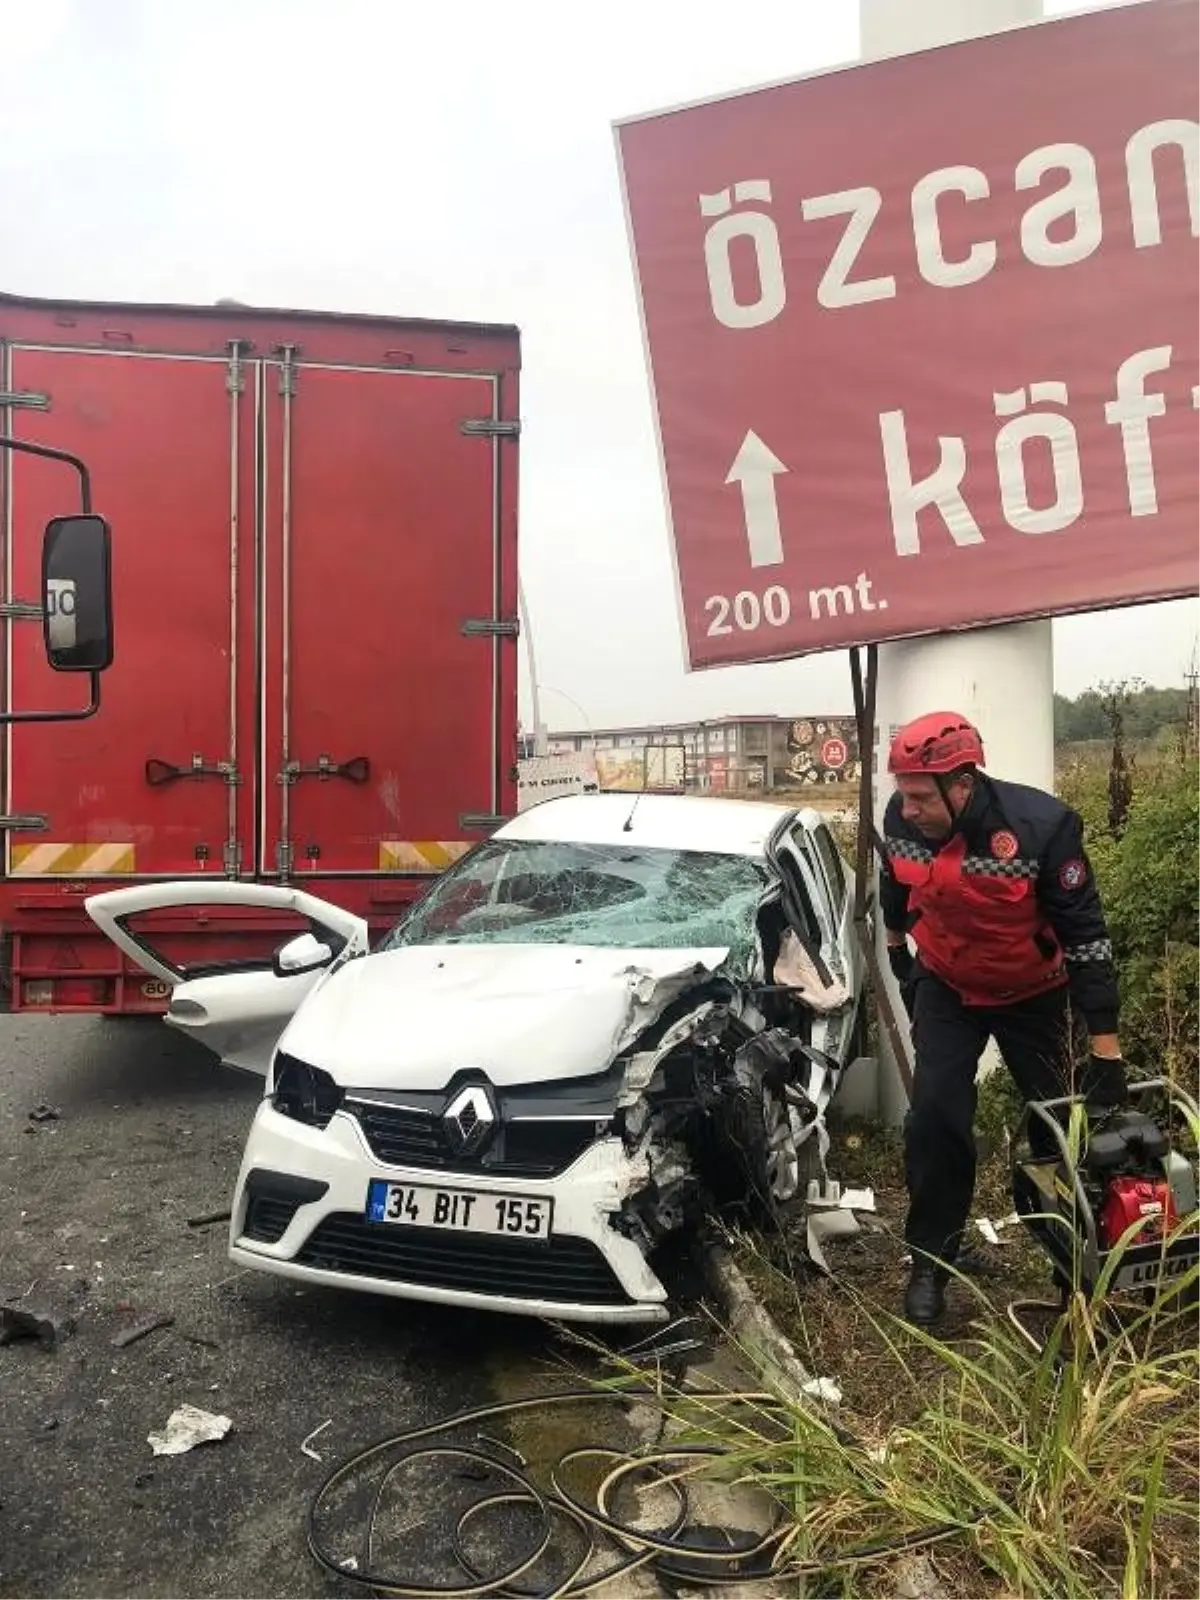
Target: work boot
[925, 1297]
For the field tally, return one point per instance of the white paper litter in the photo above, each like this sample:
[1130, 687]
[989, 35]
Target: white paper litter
[824, 1225]
[991, 1230]
[186, 1428]
[306, 1447]
[858, 1199]
[823, 1389]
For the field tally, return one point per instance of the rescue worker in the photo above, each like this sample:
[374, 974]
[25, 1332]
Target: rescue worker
[991, 882]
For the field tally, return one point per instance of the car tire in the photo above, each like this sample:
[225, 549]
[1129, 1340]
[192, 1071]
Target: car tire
[764, 1167]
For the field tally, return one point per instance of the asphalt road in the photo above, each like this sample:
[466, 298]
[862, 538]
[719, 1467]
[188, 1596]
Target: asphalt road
[94, 1210]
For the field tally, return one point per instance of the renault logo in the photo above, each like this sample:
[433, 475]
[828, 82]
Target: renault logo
[469, 1120]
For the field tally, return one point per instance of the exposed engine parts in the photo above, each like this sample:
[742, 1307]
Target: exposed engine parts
[723, 1110]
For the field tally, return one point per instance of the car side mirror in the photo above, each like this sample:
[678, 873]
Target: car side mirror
[77, 594]
[306, 953]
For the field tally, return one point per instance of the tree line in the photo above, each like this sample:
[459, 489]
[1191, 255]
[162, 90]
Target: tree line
[1147, 713]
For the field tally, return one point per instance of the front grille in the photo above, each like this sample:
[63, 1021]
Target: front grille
[404, 1137]
[561, 1269]
[267, 1218]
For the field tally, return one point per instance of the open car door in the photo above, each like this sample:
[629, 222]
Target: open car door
[238, 1011]
[807, 857]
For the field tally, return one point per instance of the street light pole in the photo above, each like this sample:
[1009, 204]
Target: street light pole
[539, 728]
[548, 688]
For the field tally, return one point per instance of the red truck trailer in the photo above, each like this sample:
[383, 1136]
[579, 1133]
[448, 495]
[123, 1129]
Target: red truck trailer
[314, 576]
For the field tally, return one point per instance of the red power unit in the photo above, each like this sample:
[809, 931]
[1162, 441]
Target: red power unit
[1129, 1200]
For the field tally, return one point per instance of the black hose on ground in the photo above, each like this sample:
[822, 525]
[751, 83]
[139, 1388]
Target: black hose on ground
[689, 1553]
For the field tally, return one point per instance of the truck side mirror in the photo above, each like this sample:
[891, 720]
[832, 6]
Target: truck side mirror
[77, 593]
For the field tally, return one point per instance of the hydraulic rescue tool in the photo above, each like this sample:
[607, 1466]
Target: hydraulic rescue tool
[1129, 1180]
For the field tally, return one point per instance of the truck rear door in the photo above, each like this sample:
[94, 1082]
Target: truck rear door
[381, 666]
[160, 784]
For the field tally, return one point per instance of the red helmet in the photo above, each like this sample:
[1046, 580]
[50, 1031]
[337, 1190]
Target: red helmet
[939, 742]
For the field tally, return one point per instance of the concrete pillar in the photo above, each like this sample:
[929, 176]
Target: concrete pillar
[1002, 678]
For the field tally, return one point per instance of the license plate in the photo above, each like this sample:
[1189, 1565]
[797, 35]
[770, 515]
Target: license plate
[414, 1205]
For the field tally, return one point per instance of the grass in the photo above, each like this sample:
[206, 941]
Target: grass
[1062, 1465]
[1067, 1469]
[1063, 1470]
[1059, 1461]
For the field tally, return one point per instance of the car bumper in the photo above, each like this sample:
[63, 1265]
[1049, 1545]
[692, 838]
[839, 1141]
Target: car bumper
[585, 1271]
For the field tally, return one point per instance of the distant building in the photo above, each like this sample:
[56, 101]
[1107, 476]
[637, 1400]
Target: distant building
[719, 755]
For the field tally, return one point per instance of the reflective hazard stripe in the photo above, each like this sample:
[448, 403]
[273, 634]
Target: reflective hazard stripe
[72, 860]
[420, 855]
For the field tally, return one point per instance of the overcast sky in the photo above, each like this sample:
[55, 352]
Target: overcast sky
[440, 160]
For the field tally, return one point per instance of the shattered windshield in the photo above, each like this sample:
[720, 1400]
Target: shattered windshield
[559, 892]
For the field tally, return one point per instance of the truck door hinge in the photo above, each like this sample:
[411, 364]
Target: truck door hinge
[29, 399]
[491, 428]
[231, 858]
[476, 821]
[491, 627]
[235, 378]
[21, 611]
[287, 368]
[284, 857]
[32, 823]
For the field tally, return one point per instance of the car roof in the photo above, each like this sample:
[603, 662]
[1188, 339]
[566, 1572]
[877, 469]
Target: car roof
[658, 822]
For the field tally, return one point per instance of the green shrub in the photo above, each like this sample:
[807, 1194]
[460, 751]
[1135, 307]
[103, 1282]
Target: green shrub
[1150, 882]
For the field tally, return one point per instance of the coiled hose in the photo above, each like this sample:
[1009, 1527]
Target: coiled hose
[709, 1556]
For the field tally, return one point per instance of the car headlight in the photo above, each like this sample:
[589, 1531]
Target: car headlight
[306, 1093]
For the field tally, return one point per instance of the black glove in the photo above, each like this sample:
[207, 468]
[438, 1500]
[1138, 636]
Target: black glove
[904, 966]
[1104, 1081]
[900, 959]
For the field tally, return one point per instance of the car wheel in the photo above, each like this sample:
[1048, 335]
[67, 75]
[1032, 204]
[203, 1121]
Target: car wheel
[763, 1152]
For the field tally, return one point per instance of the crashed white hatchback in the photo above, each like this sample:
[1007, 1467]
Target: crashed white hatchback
[617, 1013]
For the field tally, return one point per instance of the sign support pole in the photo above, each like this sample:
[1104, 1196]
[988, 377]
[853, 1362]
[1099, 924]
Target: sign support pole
[864, 902]
[1002, 678]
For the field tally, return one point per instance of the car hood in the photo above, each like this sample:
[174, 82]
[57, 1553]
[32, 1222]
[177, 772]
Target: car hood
[412, 1018]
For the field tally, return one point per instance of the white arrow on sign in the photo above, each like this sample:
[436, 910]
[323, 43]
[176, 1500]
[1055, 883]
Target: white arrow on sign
[754, 468]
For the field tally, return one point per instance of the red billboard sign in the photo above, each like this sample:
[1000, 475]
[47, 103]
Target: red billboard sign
[923, 336]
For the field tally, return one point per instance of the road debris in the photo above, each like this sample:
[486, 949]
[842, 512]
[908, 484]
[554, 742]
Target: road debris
[833, 1223]
[199, 1339]
[831, 1194]
[187, 1427]
[208, 1220]
[139, 1329]
[305, 1447]
[17, 1323]
[44, 1113]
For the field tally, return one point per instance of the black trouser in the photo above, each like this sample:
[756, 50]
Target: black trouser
[1034, 1037]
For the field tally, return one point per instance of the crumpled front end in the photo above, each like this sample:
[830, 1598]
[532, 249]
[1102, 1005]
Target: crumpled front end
[548, 1196]
[729, 1110]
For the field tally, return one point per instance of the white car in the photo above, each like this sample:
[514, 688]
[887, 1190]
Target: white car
[616, 1013]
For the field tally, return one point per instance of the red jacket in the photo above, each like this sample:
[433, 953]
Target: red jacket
[1006, 907]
